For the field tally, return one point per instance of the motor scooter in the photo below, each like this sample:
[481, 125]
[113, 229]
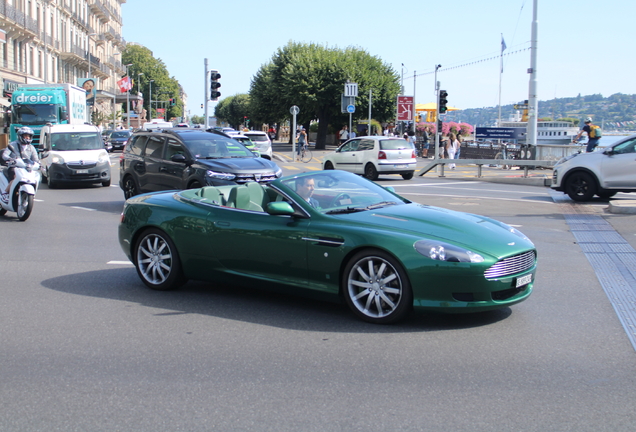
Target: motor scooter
[22, 193]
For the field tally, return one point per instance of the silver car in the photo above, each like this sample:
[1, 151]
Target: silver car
[262, 142]
[374, 155]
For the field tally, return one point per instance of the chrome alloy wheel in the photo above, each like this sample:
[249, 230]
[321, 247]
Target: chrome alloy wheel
[154, 259]
[377, 289]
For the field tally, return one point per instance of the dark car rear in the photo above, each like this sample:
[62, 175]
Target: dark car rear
[189, 158]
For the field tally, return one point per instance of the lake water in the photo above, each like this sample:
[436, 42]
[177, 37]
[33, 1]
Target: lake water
[607, 140]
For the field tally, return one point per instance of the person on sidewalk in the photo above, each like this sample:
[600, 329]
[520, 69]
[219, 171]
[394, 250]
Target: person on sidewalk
[344, 135]
[451, 148]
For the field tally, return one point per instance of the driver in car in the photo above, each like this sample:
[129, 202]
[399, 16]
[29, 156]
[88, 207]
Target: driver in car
[305, 188]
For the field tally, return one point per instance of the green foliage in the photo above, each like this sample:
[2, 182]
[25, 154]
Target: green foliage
[233, 109]
[195, 119]
[312, 77]
[164, 86]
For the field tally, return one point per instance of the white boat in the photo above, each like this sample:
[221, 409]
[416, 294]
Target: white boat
[548, 132]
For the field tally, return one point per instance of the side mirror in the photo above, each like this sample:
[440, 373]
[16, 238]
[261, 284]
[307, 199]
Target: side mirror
[178, 158]
[390, 188]
[63, 114]
[279, 208]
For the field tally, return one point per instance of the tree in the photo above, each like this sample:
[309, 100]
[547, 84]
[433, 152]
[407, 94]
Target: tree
[144, 67]
[233, 109]
[313, 77]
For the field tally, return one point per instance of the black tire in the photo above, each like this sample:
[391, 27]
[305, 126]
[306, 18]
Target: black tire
[25, 206]
[383, 297]
[606, 194]
[328, 165]
[130, 187]
[370, 172]
[52, 183]
[157, 261]
[195, 185]
[106, 183]
[407, 176]
[580, 186]
[3, 212]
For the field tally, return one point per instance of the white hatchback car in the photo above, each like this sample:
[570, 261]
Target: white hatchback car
[374, 155]
[603, 173]
[262, 141]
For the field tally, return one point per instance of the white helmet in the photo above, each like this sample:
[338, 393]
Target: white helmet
[25, 130]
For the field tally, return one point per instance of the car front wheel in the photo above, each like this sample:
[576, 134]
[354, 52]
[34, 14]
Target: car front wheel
[580, 186]
[157, 261]
[376, 287]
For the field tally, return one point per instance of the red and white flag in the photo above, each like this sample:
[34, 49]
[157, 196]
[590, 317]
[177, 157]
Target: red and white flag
[124, 84]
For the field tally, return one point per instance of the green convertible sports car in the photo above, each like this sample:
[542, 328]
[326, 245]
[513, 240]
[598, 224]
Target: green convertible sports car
[333, 233]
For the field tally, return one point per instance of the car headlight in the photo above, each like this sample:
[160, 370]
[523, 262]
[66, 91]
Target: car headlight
[57, 160]
[103, 158]
[220, 175]
[441, 251]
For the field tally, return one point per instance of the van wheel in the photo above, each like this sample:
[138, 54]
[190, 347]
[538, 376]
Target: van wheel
[106, 183]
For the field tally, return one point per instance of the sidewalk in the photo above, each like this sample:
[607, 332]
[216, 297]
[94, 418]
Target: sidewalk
[536, 177]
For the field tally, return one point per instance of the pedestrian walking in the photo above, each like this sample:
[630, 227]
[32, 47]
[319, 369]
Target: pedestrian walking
[344, 134]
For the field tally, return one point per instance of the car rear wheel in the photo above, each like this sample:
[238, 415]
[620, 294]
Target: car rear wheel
[407, 176]
[157, 261]
[580, 186]
[376, 287]
[328, 165]
[370, 172]
[130, 188]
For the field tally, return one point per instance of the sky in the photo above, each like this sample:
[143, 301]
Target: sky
[583, 46]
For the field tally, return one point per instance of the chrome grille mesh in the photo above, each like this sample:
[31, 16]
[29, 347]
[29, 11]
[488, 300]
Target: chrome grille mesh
[511, 265]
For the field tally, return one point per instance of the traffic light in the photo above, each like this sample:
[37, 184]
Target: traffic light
[215, 94]
[172, 101]
[443, 94]
[439, 126]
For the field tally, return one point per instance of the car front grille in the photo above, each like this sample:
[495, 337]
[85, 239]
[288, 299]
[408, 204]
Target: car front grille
[260, 177]
[85, 165]
[512, 265]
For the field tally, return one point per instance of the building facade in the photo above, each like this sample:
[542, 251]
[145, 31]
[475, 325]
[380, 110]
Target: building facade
[63, 41]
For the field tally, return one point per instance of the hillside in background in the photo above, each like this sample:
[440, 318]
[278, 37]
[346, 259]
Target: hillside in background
[616, 112]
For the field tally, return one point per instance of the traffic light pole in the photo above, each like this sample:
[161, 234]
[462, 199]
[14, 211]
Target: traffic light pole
[205, 99]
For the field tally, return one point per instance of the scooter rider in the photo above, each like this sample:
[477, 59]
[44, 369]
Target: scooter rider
[20, 148]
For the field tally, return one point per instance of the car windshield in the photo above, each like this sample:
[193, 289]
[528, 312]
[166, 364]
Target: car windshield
[76, 141]
[216, 147]
[244, 141]
[257, 137]
[120, 134]
[339, 192]
[395, 144]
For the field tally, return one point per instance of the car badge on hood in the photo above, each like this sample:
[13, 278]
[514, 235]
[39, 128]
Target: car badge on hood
[257, 177]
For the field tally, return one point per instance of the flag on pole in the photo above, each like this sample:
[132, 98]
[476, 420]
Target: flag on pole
[124, 84]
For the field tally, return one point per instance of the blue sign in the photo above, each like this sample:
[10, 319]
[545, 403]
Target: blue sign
[511, 133]
[351, 109]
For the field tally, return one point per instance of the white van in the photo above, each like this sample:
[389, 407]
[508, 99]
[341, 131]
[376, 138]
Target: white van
[73, 153]
[157, 124]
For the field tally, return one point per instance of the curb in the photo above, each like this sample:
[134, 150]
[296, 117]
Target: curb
[622, 207]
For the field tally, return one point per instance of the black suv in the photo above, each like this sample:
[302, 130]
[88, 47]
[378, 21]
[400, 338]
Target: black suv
[186, 159]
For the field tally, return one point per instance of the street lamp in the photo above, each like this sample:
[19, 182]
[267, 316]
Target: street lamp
[150, 100]
[128, 97]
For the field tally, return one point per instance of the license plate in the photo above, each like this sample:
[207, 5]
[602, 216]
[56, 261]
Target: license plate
[399, 166]
[524, 280]
[81, 171]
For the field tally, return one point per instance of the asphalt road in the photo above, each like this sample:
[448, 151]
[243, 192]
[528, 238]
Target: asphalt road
[84, 346]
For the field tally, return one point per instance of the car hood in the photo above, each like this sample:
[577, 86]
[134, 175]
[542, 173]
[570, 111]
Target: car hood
[473, 232]
[79, 155]
[255, 164]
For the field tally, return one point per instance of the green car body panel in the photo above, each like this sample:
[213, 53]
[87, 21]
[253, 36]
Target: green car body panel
[310, 249]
